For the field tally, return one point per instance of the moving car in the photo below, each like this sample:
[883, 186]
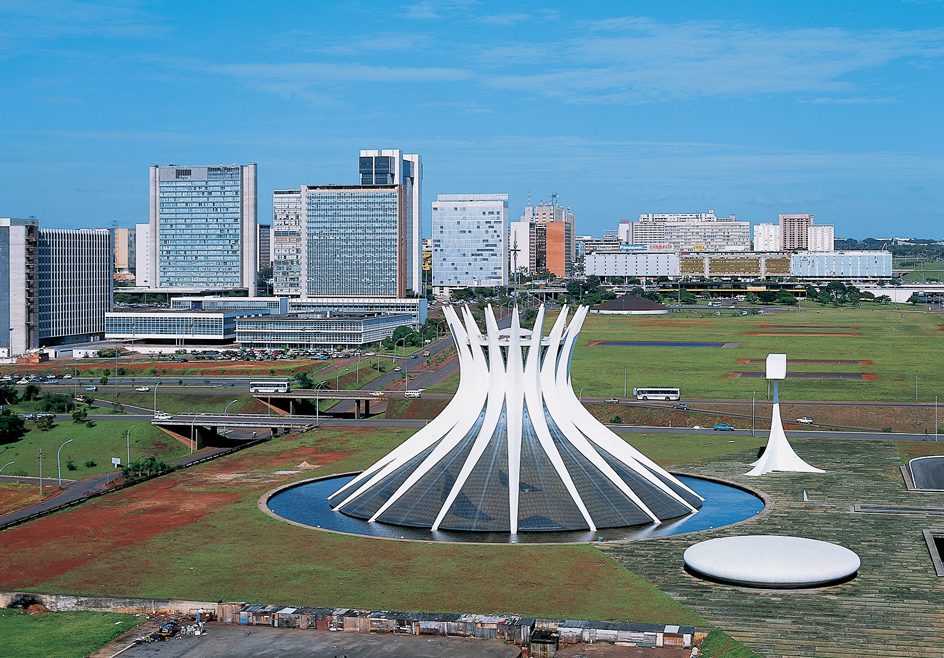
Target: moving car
[28, 416]
[160, 415]
[397, 369]
[45, 414]
[611, 401]
[723, 427]
[377, 393]
[806, 420]
[91, 388]
[143, 389]
[681, 405]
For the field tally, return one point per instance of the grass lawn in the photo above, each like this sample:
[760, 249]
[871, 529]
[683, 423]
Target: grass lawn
[198, 533]
[60, 634]
[898, 343]
[99, 444]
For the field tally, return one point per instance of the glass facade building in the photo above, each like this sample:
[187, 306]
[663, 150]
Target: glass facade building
[203, 226]
[355, 241]
[287, 332]
[470, 242]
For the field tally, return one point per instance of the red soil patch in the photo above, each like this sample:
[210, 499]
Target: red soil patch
[35, 553]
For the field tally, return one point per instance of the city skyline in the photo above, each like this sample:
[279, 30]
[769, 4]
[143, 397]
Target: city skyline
[746, 110]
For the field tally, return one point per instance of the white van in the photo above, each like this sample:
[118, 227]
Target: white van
[413, 394]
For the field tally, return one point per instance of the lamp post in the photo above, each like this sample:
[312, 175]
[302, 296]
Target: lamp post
[192, 423]
[753, 399]
[437, 328]
[917, 370]
[581, 394]
[935, 419]
[58, 466]
[402, 340]
[357, 370]
[155, 396]
[225, 409]
[5, 465]
[337, 379]
[624, 383]
[128, 442]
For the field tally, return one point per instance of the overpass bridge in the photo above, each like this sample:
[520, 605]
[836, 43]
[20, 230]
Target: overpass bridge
[305, 401]
[203, 429]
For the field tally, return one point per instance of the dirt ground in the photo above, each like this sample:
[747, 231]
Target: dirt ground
[231, 641]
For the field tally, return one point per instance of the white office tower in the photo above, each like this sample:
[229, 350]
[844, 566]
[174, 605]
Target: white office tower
[515, 451]
[470, 247]
[767, 237]
[143, 256]
[393, 167]
[19, 285]
[203, 227]
[820, 238]
[692, 232]
[779, 454]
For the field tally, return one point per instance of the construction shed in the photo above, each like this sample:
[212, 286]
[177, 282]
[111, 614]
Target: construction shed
[577, 631]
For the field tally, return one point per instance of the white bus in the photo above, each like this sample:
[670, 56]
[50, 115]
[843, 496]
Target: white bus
[268, 387]
[656, 393]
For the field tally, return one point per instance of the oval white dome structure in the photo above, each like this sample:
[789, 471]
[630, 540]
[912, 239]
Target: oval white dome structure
[515, 450]
[772, 561]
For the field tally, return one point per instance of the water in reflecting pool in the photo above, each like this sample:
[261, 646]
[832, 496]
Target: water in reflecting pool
[308, 504]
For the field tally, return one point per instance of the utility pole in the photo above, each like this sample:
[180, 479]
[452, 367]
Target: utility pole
[40, 457]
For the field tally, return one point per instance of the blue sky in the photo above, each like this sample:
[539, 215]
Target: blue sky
[620, 108]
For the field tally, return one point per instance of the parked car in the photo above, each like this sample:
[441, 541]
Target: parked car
[806, 420]
[45, 414]
[143, 389]
[91, 388]
[681, 405]
[723, 427]
[611, 401]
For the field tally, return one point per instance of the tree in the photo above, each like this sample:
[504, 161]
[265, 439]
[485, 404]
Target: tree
[8, 394]
[767, 296]
[79, 414]
[914, 299]
[57, 403]
[32, 392]
[786, 297]
[303, 378]
[12, 427]
[883, 299]
[44, 423]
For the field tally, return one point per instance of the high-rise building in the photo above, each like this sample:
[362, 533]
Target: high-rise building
[125, 249]
[203, 227]
[288, 242]
[794, 231]
[19, 285]
[821, 238]
[55, 284]
[75, 283]
[393, 167]
[341, 241]
[470, 247]
[264, 245]
[143, 256]
[546, 239]
[767, 237]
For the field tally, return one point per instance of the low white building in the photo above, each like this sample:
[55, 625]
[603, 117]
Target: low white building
[842, 264]
[610, 264]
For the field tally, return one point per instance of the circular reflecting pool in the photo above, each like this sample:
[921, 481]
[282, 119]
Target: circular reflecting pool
[308, 504]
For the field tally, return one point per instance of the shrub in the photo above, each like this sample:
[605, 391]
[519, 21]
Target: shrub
[91, 463]
[71, 465]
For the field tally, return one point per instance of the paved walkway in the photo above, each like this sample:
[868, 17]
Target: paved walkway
[894, 607]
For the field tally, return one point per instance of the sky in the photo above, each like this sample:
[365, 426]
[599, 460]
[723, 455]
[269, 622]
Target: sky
[620, 108]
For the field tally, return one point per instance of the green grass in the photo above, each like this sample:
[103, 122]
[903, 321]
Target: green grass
[898, 343]
[60, 634]
[675, 449]
[216, 555]
[99, 443]
[718, 644]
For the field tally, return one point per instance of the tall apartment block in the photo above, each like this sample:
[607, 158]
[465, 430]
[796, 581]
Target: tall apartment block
[767, 237]
[821, 238]
[125, 251]
[470, 246]
[264, 245]
[794, 231]
[202, 230]
[55, 284]
[342, 241]
[544, 238]
[393, 167]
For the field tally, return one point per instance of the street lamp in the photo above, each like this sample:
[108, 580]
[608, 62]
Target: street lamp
[916, 384]
[5, 465]
[192, 422]
[224, 412]
[402, 340]
[337, 379]
[357, 370]
[128, 442]
[57, 461]
[581, 393]
[155, 396]
[437, 328]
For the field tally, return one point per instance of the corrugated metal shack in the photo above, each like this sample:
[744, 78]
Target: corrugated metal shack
[576, 631]
[511, 629]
